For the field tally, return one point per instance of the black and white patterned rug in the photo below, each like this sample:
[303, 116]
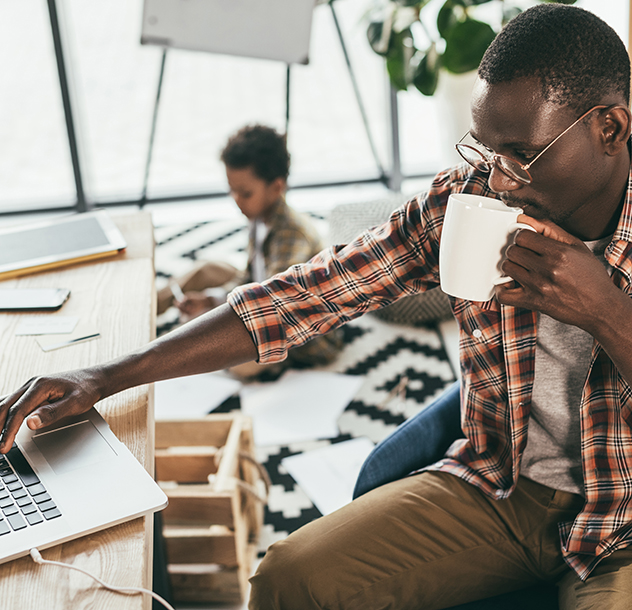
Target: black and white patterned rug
[381, 352]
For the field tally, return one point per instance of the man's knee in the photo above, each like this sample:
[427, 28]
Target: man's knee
[286, 578]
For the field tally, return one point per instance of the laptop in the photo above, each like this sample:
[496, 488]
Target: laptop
[68, 480]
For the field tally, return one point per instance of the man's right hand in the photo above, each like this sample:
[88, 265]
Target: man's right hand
[45, 400]
[215, 341]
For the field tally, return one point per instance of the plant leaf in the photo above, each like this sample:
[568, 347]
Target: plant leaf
[426, 74]
[446, 19]
[466, 3]
[466, 43]
[398, 60]
[417, 3]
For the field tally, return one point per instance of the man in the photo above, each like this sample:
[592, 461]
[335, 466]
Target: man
[470, 526]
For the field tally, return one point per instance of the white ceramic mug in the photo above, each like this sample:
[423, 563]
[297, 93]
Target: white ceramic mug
[476, 233]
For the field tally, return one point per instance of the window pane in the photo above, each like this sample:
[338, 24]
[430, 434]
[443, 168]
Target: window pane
[116, 81]
[35, 167]
[327, 137]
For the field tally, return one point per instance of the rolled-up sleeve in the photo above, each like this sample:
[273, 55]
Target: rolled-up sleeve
[341, 283]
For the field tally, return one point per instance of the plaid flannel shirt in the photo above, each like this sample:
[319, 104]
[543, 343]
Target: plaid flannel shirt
[290, 240]
[497, 355]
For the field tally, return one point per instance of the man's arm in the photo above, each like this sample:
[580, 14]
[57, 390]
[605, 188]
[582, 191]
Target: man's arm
[560, 277]
[214, 341]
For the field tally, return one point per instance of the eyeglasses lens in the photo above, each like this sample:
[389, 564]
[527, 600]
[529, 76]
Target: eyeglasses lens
[513, 169]
[474, 157]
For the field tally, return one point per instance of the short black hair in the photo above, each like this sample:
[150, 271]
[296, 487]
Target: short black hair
[260, 148]
[578, 58]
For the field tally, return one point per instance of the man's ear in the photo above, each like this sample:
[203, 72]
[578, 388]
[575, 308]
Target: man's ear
[616, 127]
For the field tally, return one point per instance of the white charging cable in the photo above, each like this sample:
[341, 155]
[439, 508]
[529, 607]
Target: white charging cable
[37, 558]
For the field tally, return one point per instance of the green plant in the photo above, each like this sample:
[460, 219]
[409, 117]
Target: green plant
[398, 28]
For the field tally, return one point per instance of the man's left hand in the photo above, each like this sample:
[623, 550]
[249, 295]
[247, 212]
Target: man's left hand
[556, 274]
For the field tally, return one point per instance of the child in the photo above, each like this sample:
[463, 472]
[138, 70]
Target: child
[257, 165]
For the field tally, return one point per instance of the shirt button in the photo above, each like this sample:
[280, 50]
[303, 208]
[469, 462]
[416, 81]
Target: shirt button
[477, 332]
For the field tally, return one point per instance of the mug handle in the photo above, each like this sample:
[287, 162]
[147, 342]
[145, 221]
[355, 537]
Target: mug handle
[516, 226]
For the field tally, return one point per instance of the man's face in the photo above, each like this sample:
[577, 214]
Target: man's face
[515, 120]
[253, 195]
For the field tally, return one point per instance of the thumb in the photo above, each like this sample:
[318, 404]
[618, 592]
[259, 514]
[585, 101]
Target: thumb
[548, 229]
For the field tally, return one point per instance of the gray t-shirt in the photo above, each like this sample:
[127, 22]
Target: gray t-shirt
[552, 456]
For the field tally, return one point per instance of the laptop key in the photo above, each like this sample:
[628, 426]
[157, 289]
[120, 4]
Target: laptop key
[10, 510]
[4, 528]
[38, 488]
[14, 486]
[23, 501]
[9, 477]
[40, 498]
[8, 501]
[22, 467]
[16, 522]
[44, 506]
[34, 518]
[51, 514]
[28, 509]
[18, 493]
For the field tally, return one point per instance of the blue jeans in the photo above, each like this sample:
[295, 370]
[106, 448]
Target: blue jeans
[418, 442]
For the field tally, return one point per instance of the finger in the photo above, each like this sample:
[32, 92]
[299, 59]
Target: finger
[548, 229]
[24, 404]
[6, 402]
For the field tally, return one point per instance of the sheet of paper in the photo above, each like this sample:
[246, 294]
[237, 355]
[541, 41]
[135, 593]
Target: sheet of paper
[328, 475]
[46, 325]
[192, 397]
[300, 406]
[83, 332]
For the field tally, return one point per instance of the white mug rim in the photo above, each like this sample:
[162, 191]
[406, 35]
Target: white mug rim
[467, 199]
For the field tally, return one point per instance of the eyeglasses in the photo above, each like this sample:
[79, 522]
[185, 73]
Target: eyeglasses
[484, 161]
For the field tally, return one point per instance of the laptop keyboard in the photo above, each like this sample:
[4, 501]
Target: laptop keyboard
[24, 501]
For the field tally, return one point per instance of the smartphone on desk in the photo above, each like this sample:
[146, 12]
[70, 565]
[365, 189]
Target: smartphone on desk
[33, 299]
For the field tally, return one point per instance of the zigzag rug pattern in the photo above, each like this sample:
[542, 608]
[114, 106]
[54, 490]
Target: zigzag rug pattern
[381, 352]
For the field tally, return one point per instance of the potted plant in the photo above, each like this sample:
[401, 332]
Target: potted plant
[416, 54]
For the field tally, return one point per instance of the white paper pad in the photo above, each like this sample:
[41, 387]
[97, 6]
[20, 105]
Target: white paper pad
[46, 325]
[83, 332]
[300, 406]
[192, 397]
[328, 475]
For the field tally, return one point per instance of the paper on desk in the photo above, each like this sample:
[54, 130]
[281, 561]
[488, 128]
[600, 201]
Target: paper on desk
[46, 325]
[300, 406]
[83, 332]
[193, 396]
[328, 475]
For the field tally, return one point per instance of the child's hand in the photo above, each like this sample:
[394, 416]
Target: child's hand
[194, 304]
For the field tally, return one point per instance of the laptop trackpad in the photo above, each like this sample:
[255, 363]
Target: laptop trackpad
[72, 447]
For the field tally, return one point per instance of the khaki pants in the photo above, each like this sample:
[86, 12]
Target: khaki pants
[433, 541]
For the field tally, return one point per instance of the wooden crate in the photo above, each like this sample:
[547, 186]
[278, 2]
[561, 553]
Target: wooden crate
[208, 470]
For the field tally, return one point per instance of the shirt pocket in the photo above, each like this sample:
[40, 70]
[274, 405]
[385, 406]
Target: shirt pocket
[480, 341]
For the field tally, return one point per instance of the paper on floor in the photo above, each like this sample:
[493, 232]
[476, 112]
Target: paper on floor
[193, 396]
[300, 406]
[328, 475]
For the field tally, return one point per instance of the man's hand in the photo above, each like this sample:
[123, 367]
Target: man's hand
[45, 400]
[217, 340]
[556, 274]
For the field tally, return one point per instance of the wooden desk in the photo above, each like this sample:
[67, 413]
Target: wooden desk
[118, 296]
